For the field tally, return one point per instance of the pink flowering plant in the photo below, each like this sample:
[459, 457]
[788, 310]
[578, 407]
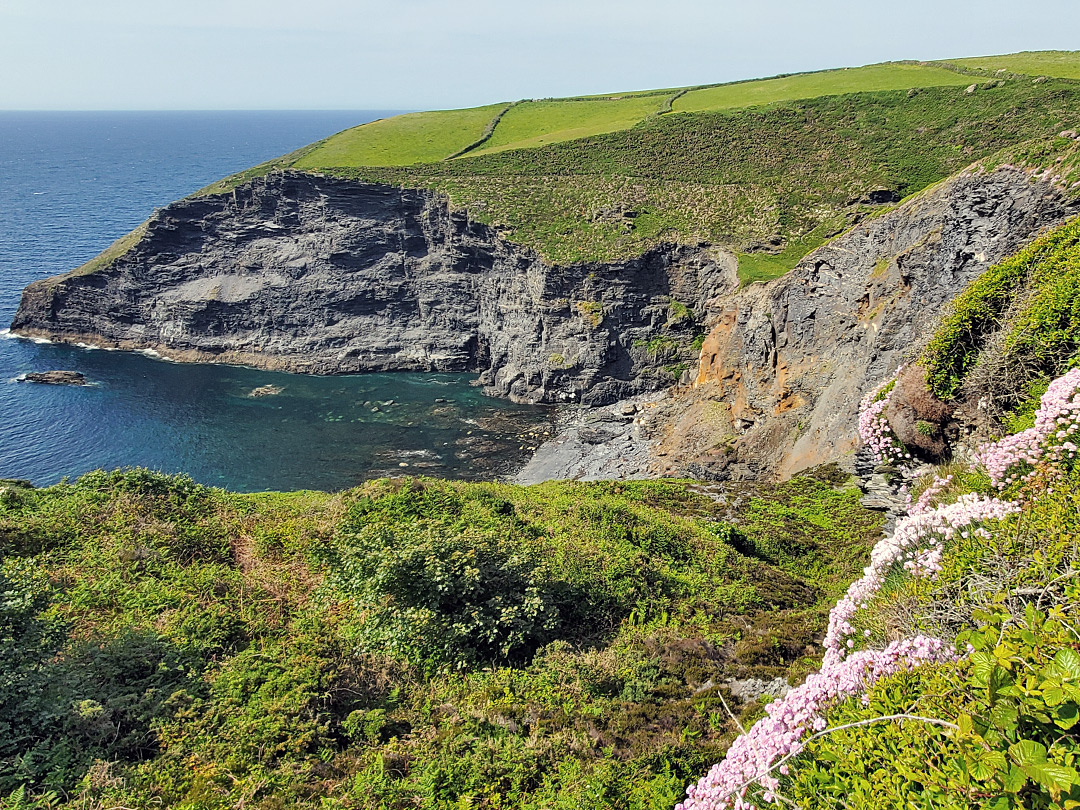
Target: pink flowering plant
[874, 430]
[1046, 450]
[749, 776]
[916, 546]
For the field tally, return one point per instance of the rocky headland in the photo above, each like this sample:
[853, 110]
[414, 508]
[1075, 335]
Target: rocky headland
[312, 274]
[315, 274]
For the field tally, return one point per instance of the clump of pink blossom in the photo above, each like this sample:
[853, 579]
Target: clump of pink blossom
[749, 760]
[918, 545]
[874, 428]
[1050, 446]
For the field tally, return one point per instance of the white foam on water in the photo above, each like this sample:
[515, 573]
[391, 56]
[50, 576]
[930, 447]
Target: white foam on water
[7, 333]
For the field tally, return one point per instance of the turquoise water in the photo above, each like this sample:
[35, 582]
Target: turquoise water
[71, 183]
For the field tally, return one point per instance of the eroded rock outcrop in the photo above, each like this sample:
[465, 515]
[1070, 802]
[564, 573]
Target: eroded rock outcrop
[322, 275]
[785, 364]
[314, 274]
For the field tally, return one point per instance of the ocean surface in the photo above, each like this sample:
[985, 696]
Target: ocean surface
[73, 182]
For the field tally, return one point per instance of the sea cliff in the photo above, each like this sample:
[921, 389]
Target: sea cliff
[312, 274]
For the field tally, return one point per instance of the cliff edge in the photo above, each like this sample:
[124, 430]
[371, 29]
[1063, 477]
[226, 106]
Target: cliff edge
[312, 274]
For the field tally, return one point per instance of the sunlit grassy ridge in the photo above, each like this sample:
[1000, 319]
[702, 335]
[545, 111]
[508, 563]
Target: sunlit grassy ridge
[423, 137]
[1064, 64]
[427, 137]
[771, 182]
[869, 79]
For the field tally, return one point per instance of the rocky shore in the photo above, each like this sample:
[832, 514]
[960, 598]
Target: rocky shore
[321, 275]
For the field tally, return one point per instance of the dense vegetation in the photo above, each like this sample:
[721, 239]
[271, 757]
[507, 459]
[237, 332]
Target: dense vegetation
[409, 642]
[771, 182]
[1019, 323]
[1009, 710]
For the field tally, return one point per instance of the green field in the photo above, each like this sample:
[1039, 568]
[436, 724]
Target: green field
[770, 182]
[424, 137]
[538, 123]
[871, 78]
[1064, 64]
[769, 169]
[429, 137]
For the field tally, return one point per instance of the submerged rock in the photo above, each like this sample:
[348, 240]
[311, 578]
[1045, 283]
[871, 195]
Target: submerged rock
[55, 378]
[266, 391]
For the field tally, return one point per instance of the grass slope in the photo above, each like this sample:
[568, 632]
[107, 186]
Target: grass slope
[536, 123]
[424, 137]
[409, 643]
[869, 79]
[770, 182]
[1063, 64]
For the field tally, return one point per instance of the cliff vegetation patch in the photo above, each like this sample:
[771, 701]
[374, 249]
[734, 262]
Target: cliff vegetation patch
[411, 642]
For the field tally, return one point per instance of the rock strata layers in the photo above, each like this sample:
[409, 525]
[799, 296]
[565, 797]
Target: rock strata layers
[785, 364]
[314, 274]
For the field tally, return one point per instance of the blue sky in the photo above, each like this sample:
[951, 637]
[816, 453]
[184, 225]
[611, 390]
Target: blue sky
[422, 54]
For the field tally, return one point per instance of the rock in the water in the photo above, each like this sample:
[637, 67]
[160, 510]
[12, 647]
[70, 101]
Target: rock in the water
[266, 391]
[55, 378]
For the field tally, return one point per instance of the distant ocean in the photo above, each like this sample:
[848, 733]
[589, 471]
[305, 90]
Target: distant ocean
[73, 182]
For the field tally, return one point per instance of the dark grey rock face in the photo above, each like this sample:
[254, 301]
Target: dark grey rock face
[321, 275]
[55, 378]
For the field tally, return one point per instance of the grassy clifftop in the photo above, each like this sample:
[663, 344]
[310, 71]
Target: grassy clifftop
[431, 137]
[769, 168]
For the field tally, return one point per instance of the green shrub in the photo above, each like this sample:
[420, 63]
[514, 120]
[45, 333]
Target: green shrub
[1014, 705]
[458, 599]
[1042, 337]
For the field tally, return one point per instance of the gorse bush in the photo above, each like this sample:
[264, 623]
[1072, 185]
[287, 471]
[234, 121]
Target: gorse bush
[459, 582]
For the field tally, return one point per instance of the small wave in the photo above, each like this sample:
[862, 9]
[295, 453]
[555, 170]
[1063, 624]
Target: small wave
[7, 333]
[417, 454]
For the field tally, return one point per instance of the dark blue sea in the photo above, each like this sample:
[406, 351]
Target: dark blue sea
[73, 182]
